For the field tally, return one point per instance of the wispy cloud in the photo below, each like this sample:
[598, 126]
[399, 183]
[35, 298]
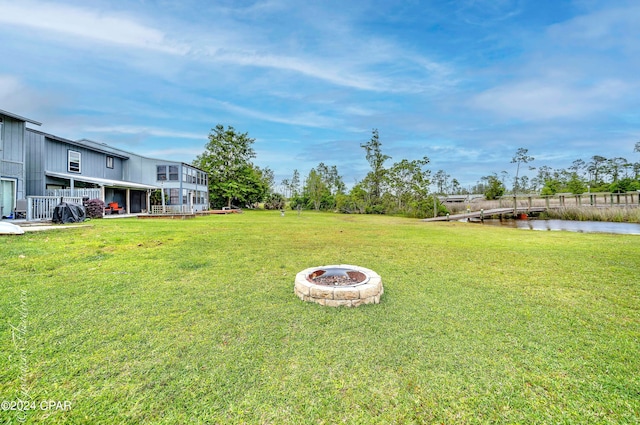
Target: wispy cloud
[142, 130]
[178, 153]
[86, 23]
[348, 61]
[310, 119]
[535, 100]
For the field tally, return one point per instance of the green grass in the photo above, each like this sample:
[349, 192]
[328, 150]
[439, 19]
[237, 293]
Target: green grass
[195, 321]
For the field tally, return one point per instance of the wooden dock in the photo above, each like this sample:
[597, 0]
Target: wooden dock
[486, 213]
[525, 204]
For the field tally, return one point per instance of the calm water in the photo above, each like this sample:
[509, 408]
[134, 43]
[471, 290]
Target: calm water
[570, 226]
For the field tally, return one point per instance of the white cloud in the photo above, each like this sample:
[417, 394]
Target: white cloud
[606, 28]
[343, 59]
[539, 99]
[142, 130]
[179, 153]
[10, 86]
[84, 23]
[309, 119]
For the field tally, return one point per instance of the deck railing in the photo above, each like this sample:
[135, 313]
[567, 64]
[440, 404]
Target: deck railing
[559, 200]
[74, 193]
[170, 209]
[41, 207]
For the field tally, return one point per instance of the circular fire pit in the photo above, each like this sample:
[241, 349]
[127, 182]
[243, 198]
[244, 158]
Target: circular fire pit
[339, 285]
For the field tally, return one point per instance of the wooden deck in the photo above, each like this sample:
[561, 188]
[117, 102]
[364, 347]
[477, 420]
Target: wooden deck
[170, 216]
[209, 212]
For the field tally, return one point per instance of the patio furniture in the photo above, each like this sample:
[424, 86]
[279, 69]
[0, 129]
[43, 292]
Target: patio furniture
[115, 208]
[20, 211]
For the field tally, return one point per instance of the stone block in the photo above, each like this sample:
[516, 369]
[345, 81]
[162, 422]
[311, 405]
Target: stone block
[358, 302]
[368, 290]
[338, 303]
[303, 288]
[320, 292]
[346, 294]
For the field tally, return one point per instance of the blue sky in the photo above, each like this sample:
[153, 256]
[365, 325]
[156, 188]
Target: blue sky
[465, 83]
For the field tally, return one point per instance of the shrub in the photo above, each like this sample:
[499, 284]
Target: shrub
[275, 202]
[95, 208]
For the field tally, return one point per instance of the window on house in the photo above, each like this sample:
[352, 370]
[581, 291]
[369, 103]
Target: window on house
[162, 172]
[0, 129]
[109, 162]
[73, 164]
[173, 172]
[174, 196]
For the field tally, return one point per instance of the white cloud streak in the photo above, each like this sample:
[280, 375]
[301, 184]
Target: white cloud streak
[87, 24]
[149, 131]
[345, 66]
[535, 100]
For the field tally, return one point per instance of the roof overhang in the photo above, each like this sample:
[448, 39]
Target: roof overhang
[19, 118]
[101, 182]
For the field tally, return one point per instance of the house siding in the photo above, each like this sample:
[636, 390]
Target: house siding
[12, 156]
[92, 164]
[35, 154]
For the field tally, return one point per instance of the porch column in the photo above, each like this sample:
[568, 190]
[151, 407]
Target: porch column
[128, 201]
[103, 195]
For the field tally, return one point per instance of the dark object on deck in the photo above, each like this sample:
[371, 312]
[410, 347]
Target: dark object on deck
[68, 213]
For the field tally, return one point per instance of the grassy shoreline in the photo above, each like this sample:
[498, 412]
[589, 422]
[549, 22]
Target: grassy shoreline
[196, 322]
[615, 215]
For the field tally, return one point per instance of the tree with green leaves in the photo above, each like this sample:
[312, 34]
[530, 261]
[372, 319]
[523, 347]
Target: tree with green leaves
[227, 160]
[315, 189]
[493, 187]
[409, 181]
[521, 157]
[441, 179]
[331, 178]
[376, 159]
[596, 168]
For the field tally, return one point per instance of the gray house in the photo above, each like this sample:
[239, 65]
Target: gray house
[57, 165]
[183, 184]
[12, 160]
[41, 164]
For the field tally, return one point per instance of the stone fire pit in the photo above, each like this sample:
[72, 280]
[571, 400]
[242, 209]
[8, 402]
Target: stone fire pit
[339, 285]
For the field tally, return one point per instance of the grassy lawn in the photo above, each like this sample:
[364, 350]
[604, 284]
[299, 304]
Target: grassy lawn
[172, 322]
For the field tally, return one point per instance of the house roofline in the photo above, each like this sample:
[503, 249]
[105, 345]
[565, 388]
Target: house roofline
[168, 161]
[18, 117]
[106, 149]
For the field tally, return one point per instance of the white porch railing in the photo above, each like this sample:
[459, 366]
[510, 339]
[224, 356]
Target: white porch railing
[170, 209]
[74, 193]
[41, 207]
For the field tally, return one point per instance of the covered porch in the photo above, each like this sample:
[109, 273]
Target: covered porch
[132, 198]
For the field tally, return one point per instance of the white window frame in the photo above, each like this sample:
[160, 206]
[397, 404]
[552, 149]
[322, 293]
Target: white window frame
[74, 157]
[110, 161]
